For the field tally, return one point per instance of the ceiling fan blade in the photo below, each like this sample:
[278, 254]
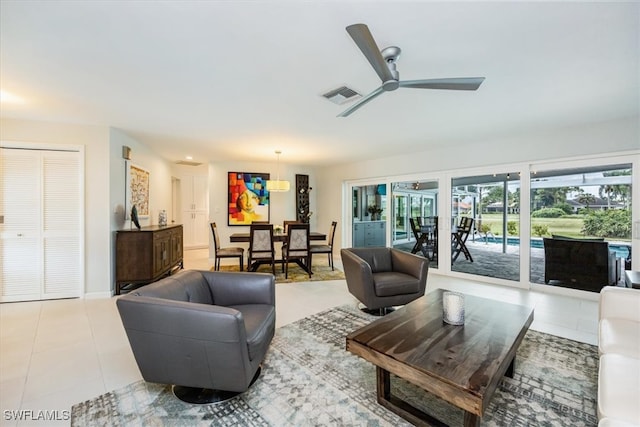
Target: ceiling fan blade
[362, 37]
[360, 103]
[461, 83]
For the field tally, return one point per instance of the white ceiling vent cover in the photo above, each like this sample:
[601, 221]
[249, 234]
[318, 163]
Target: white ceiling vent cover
[341, 95]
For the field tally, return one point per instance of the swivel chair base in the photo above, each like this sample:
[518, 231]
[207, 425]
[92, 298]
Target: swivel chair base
[207, 396]
[383, 311]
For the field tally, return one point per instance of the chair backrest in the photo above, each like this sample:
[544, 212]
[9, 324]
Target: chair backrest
[432, 223]
[378, 258]
[298, 239]
[286, 223]
[261, 238]
[465, 227]
[466, 224]
[332, 232]
[414, 229]
[216, 238]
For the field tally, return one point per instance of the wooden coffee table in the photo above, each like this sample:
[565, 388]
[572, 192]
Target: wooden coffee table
[462, 365]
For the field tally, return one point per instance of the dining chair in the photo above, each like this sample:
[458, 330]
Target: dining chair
[459, 239]
[325, 249]
[421, 239]
[261, 246]
[286, 223]
[230, 252]
[432, 240]
[297, 248]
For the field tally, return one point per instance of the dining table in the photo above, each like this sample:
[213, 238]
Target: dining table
[277, 237]
[280, 237]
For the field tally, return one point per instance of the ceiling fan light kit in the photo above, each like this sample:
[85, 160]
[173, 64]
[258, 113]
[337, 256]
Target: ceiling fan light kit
[384, 64]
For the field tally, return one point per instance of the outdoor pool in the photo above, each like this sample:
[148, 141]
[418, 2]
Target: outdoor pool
[622, 250]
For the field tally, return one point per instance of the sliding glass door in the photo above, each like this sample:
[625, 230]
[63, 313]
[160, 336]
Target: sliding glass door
[485, 223]
[492, 225]
[369, 220]
[416, 201]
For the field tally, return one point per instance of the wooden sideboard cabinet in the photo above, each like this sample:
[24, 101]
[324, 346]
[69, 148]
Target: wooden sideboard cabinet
[146, 255]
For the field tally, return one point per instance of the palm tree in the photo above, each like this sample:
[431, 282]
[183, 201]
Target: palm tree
[585, 199]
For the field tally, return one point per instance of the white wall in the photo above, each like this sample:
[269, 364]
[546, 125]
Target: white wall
[591, 139]
[159, 185]
[95, 139]
[282, 205]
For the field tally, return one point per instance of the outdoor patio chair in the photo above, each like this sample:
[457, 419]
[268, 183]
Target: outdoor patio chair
[421, 239]
[459, 238]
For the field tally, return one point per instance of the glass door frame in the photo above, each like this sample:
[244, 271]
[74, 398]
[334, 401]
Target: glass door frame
[444, 209]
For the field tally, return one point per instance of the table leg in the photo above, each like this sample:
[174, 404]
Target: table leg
[510, 369]
[471, 420]
[414, 415]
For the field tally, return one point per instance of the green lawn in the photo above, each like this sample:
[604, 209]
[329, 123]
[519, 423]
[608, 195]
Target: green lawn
[569, 226]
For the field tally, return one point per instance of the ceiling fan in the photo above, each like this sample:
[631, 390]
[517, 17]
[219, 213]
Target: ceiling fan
[384, 64]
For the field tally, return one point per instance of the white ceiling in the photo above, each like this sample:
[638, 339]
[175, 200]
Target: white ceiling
[236, 80]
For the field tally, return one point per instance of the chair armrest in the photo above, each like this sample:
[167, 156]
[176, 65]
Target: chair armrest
[179, 318]
[620, 303]
[408, 263]
[358, 275]
[241, 288]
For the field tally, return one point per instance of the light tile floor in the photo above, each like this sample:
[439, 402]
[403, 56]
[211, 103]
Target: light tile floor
[57, 353]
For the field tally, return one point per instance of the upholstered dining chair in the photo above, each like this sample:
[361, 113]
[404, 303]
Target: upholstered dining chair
[286, 223]
[229, 252]
[261, 245]
[325, 249]
[297, 247]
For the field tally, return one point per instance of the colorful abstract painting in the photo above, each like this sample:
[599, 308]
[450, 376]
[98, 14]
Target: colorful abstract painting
[248, 198]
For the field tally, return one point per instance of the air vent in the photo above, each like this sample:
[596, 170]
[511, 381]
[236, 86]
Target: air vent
[187, 163]
[341, 95]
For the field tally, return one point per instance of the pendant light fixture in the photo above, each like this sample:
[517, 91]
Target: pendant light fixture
[278, 186]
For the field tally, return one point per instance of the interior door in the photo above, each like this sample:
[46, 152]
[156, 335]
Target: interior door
[40, 225]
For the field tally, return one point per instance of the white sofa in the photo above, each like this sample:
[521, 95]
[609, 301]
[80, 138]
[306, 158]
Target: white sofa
[619, 347]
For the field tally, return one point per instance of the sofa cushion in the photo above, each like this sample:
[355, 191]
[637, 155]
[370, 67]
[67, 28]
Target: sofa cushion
[259, 323]
[392, 283]
[619, 388]
[619, 336]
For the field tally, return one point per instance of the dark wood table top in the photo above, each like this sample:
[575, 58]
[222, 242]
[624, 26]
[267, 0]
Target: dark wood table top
[245, 237]
[460, 364]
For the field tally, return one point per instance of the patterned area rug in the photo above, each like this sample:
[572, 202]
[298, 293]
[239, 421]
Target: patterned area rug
[309, 379]
[296, 273]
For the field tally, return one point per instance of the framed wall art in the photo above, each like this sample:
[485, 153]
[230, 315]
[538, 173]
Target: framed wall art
[138, 188]
[248, 198]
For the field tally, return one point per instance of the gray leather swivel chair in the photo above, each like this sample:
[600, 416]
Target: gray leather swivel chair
[204, 332]
[381, 278]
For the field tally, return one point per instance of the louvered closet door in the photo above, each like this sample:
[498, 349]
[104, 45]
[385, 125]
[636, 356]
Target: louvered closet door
[61, 225]
[40, 252]
[20, 254]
